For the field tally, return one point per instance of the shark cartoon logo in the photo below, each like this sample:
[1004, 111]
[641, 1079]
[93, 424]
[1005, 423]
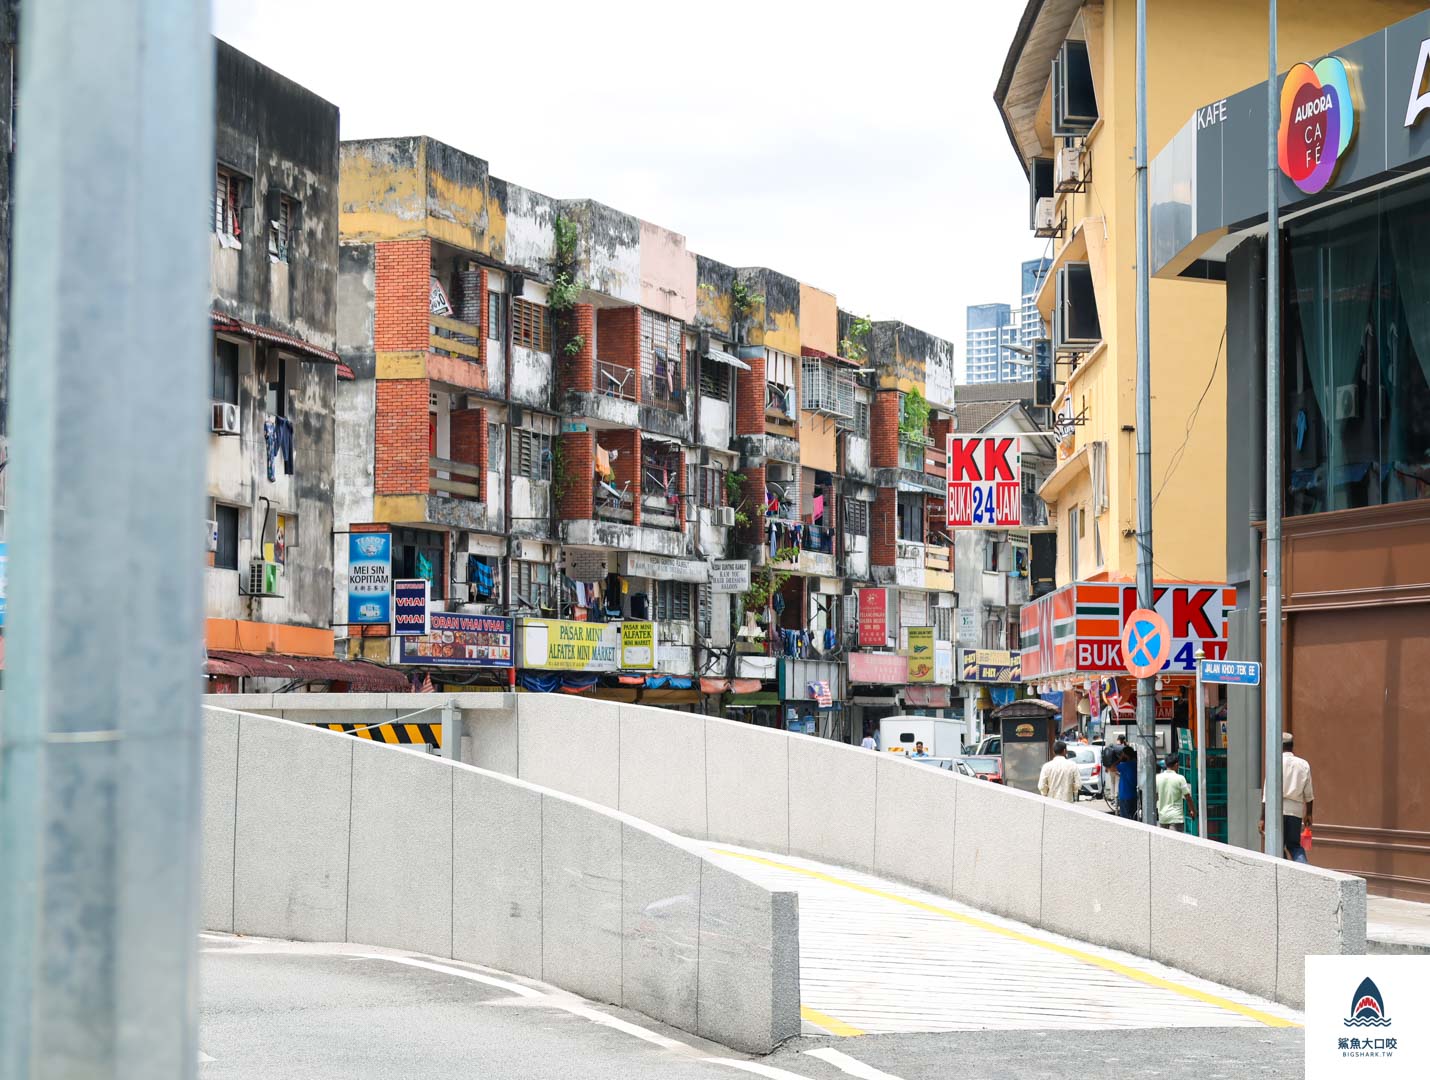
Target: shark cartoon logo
[1367, 1007]
[1318, 120]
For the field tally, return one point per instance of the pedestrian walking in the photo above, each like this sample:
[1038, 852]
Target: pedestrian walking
[1059, 778]
[1174, 798]
[1127, 782]
[868, 743]
[1296, 799]
[1111, 756]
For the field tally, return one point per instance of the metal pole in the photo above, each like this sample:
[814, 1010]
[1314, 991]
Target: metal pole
[1146, 689]
[1201, 730]
[100, 737]
[1273, 454]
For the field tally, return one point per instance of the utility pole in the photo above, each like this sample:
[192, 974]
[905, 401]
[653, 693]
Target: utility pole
[1146, 688]
[1273, 452]
[100, 737]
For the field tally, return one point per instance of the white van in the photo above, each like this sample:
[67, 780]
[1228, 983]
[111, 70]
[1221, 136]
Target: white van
[941, 738]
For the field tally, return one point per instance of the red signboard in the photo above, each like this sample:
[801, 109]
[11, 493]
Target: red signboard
[985, 482]
[883, 669]
[1079, 627]
[873, 617]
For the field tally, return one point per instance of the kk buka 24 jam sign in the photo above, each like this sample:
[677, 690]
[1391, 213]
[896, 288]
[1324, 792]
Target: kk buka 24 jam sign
[1318, 122]
[985, 482]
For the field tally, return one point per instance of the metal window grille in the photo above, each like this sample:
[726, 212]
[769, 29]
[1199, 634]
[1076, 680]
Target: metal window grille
[662, 354]
[533, 455]
[825, 389]
[533, 585]
[280, 229]
[228, 202]
[672, 601]
[530, 326]
[715, 380]
[496, 315]
[704, 612]
[943, 623]
[856, 517]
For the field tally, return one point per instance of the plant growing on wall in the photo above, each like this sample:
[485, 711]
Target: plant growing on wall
[766, 581]
[914, 417]
[575, 345]
[856, 345]
[742, 302]
[558, 469]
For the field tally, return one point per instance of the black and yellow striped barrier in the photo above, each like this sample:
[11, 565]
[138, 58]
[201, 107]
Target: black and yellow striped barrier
[397, 734]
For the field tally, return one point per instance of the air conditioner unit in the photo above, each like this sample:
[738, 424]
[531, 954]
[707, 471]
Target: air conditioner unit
[1045, 218]
[725, 515]
[223, 418]
[1069, 168]
[262, 578]
[211, 534]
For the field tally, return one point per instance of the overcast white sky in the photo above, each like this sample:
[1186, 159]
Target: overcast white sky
[855, 147]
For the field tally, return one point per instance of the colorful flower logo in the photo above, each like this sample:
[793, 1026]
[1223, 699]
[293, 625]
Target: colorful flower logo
[1318, 120]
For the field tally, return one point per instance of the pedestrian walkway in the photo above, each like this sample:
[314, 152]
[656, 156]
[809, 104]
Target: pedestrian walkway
[877, 957]
[1397, 926]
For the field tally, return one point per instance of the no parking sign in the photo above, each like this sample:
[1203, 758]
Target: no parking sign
[1146, 643]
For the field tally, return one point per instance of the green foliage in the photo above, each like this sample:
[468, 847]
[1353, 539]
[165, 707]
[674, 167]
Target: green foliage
[914, 417]
[565, 285]
[567, 235]
[855, 347]
[563, 292]
[741, 518]
[766, 581]
[742, 300]
[734, 484]
[575, 345]
[558, 468]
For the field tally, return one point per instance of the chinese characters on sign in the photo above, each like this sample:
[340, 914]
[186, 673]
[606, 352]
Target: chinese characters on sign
[369, 578]
[873, 617]
[985, 482]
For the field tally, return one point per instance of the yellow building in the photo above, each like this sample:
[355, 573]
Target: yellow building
[1068, 94]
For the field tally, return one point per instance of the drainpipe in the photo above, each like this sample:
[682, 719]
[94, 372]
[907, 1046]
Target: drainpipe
[508, 334]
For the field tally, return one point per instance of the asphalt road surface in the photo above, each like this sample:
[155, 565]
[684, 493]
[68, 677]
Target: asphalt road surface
[291, 1011]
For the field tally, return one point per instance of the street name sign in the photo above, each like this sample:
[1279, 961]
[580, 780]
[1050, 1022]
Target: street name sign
[1236, 672]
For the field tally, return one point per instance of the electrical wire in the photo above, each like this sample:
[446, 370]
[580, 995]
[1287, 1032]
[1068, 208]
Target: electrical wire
[1177, 455]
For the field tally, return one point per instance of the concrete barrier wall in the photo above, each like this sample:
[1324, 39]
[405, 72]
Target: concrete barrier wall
[316, 836]
[1230, 915]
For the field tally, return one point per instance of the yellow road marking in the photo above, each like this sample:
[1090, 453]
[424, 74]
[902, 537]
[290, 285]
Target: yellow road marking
[1016, 935]
[828, 1023]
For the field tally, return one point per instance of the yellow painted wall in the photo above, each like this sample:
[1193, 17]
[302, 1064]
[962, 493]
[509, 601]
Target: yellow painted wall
[818, 319]
[1197, 53]
[817, 448]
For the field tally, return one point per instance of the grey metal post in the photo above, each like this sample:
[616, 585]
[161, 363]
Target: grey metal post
[1201, 729]
[1146, 688]
[1273, 453]
[451, 732]
[100, 737]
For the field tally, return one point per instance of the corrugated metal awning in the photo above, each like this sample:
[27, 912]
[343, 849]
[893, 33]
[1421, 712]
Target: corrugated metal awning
[277, 337]
[360, 675]
[722, 357]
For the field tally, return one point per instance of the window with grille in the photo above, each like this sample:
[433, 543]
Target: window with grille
[533, 455]
[230, 191]
[282, 223]
[858, 423]
[672, 601]
[530, 326]
[662, 352]
[943, 623]
[532, 583]
[707, 482]
[856, 517]
[825, 388]
[715, 380]
[496, 315]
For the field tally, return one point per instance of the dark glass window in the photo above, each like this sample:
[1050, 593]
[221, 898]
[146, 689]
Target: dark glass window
[226, 557]
[418, 553]
[225, 382]
[1356, 384]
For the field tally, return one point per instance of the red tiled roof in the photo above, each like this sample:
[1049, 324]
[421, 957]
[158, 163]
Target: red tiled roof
[360, 675]
[238, 326]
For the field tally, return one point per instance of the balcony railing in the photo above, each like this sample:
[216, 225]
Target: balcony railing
[911, 456]
[461, 481]
[453, 337]
[613, 502]
[818, 538]
[663, 390]
[615, 380]
[779, 401]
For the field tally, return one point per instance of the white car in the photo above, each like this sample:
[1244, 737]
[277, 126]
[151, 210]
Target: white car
[1089, 767]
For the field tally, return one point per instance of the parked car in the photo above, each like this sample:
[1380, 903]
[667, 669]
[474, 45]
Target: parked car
[951, 764]
[991, 744]
[1089, 767]
[985, 767]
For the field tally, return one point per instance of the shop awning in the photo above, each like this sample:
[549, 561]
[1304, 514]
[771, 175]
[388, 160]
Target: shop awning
[722, 357]
[722, 686]
[670, 697]
[360, 675]
[277, 337]
[768, 697]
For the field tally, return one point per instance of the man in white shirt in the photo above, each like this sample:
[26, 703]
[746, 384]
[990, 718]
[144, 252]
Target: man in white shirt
[1296, 799]
[1060, 778]
[868, 743]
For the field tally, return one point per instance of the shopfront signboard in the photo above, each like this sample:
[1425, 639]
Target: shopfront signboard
[730, 575]
[997, 666]
[985, 482]
[1234, 672]
[564, 645]
[460, 639]
[873, 617]
[1078, 629]
[920, 652]
[879, 669]
[660, 568]
[637, 646]
[411, 598]
[370, 578]
[943, 663]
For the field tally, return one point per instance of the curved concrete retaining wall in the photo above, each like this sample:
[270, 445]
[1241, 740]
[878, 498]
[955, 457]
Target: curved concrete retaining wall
[316, 836]
[1234, 916]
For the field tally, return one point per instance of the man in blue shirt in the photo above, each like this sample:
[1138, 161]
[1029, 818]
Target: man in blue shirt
[1127, 783]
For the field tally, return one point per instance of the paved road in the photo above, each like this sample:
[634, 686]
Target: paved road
[877, 957]
[288, 1011]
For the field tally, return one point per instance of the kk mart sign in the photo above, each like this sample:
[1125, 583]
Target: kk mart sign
[1078, 628]
[985, 482]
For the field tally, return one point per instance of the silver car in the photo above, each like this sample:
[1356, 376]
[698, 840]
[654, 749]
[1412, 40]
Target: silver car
[1089, 767]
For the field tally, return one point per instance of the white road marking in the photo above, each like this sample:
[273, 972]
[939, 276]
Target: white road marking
[461, 973]
[756, 1068]
[846, 1064]
[598, 1017]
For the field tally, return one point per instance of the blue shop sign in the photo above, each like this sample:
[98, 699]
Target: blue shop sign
[370, 578]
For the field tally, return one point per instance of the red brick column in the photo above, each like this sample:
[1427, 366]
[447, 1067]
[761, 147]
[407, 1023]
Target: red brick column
[680, 490]
[578, 454]
[469, 446]
[753, 496]
[401, 444]
[884, 431]
[402, 303]
[485, 321]
[578, 373]
[884, 528]
[750, 396]
[620, 332]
